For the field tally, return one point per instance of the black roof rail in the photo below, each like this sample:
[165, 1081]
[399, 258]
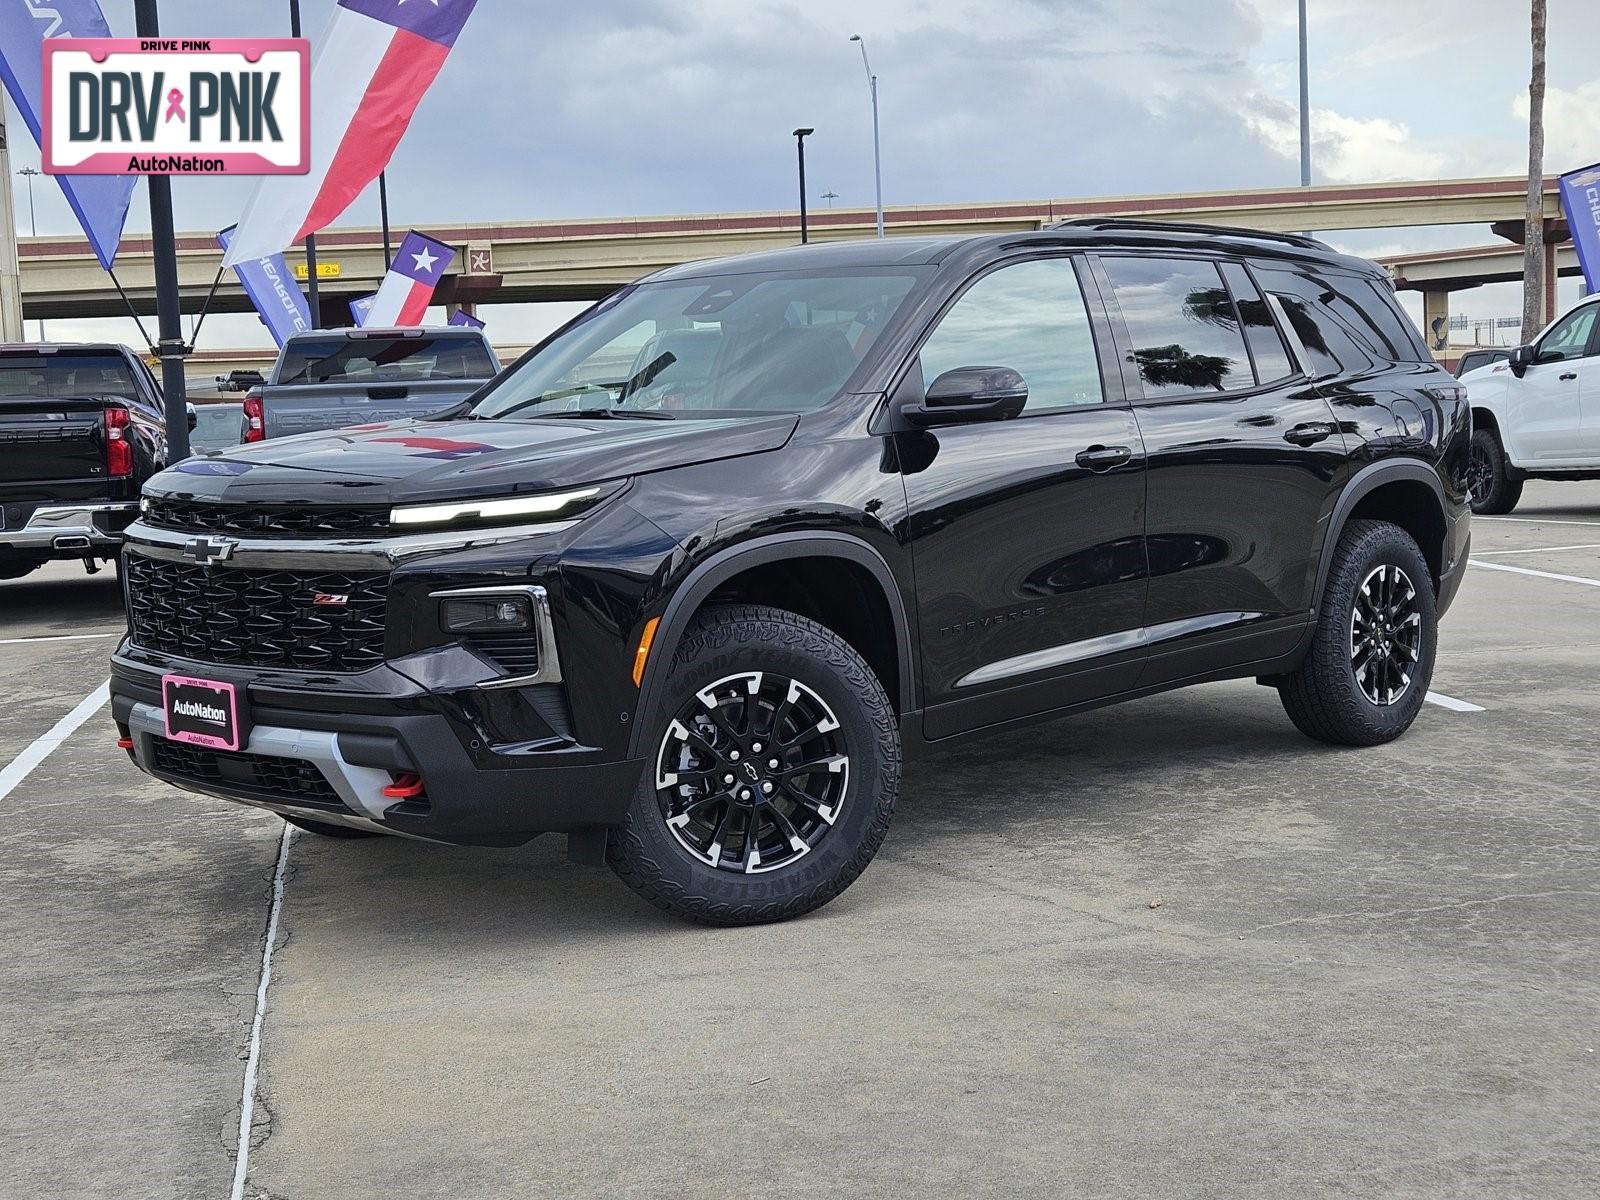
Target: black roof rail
[1293, 239]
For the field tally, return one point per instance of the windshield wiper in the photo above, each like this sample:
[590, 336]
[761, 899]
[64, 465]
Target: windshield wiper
[623, 387]
[619, 414]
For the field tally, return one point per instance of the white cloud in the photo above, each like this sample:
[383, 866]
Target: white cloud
[1350, 149]
[1571, 125]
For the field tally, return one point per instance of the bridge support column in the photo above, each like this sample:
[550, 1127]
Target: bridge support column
[1436, 320]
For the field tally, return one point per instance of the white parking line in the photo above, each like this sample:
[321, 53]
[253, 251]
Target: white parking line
[1544, 549]
[1489, 566]
[1452, 703]
[57, 637]
[247, 1103]
[1535, 520]
[44, 745]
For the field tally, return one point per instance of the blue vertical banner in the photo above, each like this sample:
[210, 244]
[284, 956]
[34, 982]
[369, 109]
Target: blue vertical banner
[273, 291]
[99, 201]
[1580, 200]
[360, 307]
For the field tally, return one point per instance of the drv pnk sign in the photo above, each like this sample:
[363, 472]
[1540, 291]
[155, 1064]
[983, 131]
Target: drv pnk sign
[164, 106]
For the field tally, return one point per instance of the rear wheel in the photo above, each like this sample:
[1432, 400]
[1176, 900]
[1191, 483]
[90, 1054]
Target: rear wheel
[776, 762]
[1371, 658]
[327, 829]
[1489, 474]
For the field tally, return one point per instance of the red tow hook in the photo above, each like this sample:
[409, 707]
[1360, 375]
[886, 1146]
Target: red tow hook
[404, 788]
[125, 743]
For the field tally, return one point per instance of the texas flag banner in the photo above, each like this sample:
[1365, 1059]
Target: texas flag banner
[465, 320]
[374, 64]
[407, 289]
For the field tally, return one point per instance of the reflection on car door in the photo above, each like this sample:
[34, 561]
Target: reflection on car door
[1244, 457]
[1027, 534]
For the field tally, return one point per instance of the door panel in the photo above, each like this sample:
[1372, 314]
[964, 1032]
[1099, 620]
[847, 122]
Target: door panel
[1238, 494]
[1546, 407]
[1243, 456]
[1030, 568]
[1026, 535]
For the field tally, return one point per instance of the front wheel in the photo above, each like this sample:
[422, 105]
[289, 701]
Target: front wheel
[1494, 490]
[1371, 658]
[774, 771]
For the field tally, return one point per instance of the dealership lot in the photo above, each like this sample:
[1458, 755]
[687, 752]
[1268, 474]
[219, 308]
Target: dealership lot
[1250, 966]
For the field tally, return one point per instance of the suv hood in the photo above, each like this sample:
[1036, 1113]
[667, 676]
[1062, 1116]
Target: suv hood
[425, 460]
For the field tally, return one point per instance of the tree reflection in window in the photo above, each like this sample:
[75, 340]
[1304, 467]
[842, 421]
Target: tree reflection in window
[1185, 330]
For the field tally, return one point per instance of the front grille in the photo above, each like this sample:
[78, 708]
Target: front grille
[267, 520]
[249, 618]
[260, 776]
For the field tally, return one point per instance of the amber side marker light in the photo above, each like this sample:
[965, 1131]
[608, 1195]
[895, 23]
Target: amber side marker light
[642, 655]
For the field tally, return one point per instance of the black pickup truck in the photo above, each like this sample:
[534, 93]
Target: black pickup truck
[81, 429]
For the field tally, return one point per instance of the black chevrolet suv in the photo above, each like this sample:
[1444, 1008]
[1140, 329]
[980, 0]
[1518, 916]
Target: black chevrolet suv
[687, 580]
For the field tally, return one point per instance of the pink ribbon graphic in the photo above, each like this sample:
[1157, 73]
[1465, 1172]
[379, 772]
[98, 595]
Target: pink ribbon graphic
[175, 105]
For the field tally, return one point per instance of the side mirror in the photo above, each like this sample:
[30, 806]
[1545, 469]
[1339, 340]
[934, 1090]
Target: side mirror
[194, 416]
[970, 394]
[1521, 359]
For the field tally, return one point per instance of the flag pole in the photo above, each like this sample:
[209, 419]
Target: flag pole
[312, 298]
[10, 270]
[169, 303]
[383, 209]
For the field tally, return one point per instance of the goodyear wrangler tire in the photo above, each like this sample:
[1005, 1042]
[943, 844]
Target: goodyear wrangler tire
[775, 763]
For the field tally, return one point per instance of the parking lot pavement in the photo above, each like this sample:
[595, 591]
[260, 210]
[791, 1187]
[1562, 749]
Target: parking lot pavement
[131, 920]
[1165, 949]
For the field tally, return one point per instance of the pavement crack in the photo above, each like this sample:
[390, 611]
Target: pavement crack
[1426, 908]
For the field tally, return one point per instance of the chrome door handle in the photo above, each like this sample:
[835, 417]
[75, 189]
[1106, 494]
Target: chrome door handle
[1104, 458]
[1309, 433]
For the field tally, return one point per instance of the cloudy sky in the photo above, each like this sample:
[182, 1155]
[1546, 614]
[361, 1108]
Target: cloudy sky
[550, 108]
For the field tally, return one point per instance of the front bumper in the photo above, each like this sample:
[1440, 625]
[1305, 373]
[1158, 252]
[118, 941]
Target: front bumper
[358, 743]
[72, 529]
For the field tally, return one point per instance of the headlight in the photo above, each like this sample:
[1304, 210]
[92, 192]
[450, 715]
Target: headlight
[479, 511]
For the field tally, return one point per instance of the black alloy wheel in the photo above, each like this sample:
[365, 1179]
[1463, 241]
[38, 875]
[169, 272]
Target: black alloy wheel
[774, 771]
[1480, 472]
[752, 773]
[1385, 634]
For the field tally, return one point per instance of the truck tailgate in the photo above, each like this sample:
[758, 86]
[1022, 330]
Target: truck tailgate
[291, 408]
[46, 440]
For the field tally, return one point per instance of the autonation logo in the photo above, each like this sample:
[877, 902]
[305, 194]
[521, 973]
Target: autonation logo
[201, 711]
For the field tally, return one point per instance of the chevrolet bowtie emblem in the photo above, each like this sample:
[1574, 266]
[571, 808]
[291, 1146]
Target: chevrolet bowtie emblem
[207, 551]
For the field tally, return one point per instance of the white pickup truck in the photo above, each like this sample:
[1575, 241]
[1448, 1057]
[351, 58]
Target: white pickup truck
[1537, 416]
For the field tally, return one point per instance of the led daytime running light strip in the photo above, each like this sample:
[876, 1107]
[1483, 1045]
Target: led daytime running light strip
[489, 510]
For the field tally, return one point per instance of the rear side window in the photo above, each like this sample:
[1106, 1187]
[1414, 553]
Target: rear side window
[1331, 345]
[1030, 317]
[1267, 350]
[1183, 326]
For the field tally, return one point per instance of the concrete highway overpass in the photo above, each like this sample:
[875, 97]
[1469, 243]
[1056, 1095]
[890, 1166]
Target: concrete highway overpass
[586, 259]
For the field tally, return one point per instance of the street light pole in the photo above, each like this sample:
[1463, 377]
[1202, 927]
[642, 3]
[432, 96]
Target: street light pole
[877, 158]
[800, 136]
[311, 238]
[169, 312]
[33, 221]
[1305, 105]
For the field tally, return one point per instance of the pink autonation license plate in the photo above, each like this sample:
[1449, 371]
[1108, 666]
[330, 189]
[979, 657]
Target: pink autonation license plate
[202, 712]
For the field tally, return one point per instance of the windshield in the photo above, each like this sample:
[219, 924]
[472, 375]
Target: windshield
[385, 360]
[716, 346]
[63, 375]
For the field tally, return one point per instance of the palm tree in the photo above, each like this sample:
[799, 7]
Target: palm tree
[1533, 314]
